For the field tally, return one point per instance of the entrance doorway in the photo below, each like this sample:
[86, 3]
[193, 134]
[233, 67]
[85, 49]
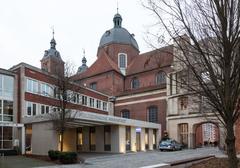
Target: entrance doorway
[206, 134]
[138, 141]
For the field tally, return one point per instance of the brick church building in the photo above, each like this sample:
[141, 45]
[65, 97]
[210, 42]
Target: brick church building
[136, 82]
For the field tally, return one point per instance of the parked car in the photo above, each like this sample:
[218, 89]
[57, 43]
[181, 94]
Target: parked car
[170, 145]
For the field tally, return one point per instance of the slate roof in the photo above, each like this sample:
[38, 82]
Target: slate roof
[151, 60]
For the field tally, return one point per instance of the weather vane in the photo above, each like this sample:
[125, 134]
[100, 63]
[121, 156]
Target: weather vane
[117, 6]
[52, 31]
[83, 52]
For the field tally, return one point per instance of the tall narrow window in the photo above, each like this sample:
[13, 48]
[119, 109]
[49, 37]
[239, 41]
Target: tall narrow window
[31, 109]
[183, 133]
[122, 60]
[8, 87]
[42, 109]
[105, 106]
[135, 83]
[99, 103]
[32, 86]
[7, 110]
[182, 103]
[91, 100]
[125, 114]
[84, 100]
[34, 109]
[161, 78]
[46, 90]
[79, 139]
[153, 114]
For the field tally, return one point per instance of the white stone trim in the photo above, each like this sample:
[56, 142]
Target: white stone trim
[157, 165]
[141, 94]
[99, 118]
[5, 124]
[141, 101]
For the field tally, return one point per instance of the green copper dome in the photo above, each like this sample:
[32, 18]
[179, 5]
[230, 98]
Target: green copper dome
[118, 34]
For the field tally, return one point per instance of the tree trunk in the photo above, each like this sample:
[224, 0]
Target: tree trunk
[231, 150]
[61, 143]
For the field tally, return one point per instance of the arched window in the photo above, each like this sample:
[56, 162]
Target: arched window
[122, 60]
[161, 78]
[125, 114]
[135, 83]
[152, 114]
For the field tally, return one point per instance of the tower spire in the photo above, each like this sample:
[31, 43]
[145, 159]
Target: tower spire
[84, 60]
[53, 42]
[84, 66]
[53, 32]
[117, 6]
[117, 20]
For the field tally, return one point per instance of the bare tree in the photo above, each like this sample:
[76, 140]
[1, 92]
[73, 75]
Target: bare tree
[206, 34]
[64, 92]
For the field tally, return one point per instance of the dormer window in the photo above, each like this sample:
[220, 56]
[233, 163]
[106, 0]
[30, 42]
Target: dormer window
[93, 85]
[122, 60]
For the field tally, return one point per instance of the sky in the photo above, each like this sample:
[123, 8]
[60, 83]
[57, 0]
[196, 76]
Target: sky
[26, 28]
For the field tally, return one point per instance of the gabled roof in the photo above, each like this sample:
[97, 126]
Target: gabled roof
[101, 65]
[151, 60]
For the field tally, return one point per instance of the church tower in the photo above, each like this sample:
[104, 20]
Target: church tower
[52, 61]
[84, 66]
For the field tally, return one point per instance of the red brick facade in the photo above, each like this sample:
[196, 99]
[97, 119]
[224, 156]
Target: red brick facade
[139, 111]
[25, 71]
[237, 133]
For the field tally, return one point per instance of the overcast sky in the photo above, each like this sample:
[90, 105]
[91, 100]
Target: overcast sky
[25, 28]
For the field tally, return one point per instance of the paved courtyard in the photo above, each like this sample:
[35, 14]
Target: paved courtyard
[21, 162]
[136, 160]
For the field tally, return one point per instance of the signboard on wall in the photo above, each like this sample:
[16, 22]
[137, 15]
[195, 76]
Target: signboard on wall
[138, 129]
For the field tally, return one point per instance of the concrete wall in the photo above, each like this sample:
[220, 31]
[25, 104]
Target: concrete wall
[133, 139]
[43, 138]
[100, 138]
[115, 139]
[142, 139]
[122, 139]
[150, 140]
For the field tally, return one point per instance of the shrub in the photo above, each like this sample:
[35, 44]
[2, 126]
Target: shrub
[54, 155]
[68, 157]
